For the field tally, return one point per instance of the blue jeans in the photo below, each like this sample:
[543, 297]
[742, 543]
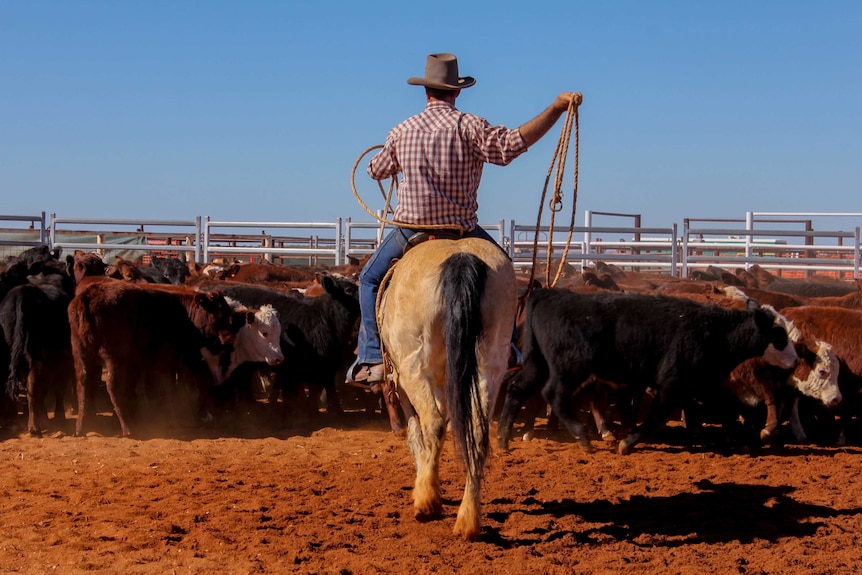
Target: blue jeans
[392, 247]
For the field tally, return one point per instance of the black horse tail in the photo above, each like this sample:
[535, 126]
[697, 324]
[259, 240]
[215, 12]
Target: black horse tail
[463, 282]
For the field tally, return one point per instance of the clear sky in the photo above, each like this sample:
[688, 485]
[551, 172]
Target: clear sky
[257, 110]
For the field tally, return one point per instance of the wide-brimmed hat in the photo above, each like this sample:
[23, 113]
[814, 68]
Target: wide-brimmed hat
[441, 71]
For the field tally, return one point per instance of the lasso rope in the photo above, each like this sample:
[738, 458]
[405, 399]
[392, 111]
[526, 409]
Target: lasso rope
[556, 203]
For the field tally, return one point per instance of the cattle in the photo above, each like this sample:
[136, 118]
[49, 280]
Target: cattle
[85, 264]
[842, 328]
[777, 300]
[130, 271]
[318, 336]
[813, 288]
[130, 330]
[780, 300]
[762, 276]
[173, 269]
[265, 272]
[714, 273]
[14, 274]
[755, 382]
[35, 327]
[39, 253]
[672, 345]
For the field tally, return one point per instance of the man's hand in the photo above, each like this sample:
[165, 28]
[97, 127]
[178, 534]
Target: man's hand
[565, 98]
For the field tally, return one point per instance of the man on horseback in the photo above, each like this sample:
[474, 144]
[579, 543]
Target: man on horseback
[440, 154]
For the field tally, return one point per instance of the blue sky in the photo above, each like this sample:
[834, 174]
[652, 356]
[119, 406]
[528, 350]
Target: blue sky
[258, 110]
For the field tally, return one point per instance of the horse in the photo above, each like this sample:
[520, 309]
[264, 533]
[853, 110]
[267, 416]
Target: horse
[446, 319]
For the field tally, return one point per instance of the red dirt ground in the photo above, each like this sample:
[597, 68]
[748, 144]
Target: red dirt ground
[334, 497]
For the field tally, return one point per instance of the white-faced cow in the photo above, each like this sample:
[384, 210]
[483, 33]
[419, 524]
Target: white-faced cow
[755, 382]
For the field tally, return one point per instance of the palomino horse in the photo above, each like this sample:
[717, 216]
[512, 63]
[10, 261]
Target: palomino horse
[446, 324]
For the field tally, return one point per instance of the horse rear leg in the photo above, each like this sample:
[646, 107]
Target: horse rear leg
[426, 430]
[468, 523]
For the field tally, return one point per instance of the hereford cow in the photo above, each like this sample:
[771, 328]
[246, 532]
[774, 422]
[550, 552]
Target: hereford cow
[318, 336]
[35, 326]
[842, 328]
[131, 331]
[672, 345]
[755, 382]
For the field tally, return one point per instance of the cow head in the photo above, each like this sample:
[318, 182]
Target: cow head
[175, 270]
[816, 375]
[260, 338]
[83, 264]
[780, 351]
[215, 318]
[125, 270]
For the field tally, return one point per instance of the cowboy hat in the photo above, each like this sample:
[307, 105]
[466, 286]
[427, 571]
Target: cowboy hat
[441, 71]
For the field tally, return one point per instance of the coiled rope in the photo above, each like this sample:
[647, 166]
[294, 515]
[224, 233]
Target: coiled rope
[556, 203]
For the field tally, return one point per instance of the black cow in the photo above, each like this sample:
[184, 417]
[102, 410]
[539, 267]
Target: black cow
[318, 335]
[35, 329]
[40, 253]
[173, 269]
[672, 345]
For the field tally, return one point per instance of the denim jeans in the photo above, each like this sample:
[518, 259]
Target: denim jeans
[392, 247]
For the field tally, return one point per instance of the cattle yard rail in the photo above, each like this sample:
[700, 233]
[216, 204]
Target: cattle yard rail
[785, 243]
[315, 248]
[362, 238]
[34, 234]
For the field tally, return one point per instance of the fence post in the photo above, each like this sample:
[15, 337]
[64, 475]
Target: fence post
[749, 227]
[197, 244]
[338, 251]
[685, 227]
[856, 255]
[42, 231]
[674, 254]
[206, 247]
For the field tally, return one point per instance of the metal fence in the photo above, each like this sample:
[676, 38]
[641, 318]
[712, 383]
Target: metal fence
[786, 243]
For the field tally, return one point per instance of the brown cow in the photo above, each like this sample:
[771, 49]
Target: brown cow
[131, 330]
[84, 264]
[265, 272]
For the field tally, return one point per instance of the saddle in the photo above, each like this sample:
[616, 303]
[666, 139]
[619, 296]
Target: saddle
[425, 235]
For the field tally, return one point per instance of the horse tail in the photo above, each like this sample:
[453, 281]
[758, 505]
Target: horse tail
[463, 282]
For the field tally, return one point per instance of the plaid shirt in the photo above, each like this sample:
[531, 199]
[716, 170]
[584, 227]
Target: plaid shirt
[440, 153]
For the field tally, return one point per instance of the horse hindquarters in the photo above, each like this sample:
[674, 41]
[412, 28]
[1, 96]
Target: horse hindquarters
[448, 343]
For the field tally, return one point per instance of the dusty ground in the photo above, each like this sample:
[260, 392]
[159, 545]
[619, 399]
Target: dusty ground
[334, 497]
